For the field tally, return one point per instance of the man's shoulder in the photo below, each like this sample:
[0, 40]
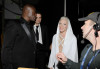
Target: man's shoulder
[87, 46]
[15, 21]
[44, 26]
[85, 49]
[11, 22]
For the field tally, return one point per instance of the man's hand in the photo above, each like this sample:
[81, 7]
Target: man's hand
[61, 57]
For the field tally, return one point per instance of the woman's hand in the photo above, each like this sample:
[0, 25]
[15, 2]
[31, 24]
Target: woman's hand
[51, 68]
[61, 57]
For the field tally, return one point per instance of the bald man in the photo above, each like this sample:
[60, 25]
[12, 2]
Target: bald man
[29, 13]
[19, 46]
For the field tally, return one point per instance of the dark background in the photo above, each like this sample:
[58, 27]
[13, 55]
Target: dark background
[52, 10]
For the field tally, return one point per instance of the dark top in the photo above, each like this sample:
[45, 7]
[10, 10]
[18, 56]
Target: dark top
[17, 48]
[42, 56]
[45, 46]
[94, 64]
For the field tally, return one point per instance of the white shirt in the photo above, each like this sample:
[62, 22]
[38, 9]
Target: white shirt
[40, 33]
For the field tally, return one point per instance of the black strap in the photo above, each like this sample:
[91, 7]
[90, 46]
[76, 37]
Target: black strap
[26, 30]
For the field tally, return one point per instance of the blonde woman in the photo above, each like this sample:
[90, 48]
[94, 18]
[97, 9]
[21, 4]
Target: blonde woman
[63, 41]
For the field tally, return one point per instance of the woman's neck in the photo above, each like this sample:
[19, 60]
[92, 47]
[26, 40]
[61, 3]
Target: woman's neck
[63, 34]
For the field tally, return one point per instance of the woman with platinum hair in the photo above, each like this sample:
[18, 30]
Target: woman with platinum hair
[63, 41]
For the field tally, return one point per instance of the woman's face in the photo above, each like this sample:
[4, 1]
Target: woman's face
[63, 24]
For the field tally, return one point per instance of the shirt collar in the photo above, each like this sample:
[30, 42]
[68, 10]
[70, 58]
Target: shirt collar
[24, 21]
[35, 26]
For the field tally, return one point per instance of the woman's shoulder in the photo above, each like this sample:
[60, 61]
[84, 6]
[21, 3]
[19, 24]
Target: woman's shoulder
[54, 35]
[73, 38]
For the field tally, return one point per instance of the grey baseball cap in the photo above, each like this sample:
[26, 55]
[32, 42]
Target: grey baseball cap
[94, 16]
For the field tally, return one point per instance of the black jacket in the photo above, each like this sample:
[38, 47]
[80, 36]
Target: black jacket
[45, 46]
[17, 48]
[94, 64]
[42, 50]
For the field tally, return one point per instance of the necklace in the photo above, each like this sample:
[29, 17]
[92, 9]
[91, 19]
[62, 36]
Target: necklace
[61, 42]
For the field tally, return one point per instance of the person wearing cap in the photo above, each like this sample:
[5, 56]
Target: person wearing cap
[91, 53]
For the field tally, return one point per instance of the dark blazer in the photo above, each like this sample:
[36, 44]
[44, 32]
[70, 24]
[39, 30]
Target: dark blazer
[95, 64]
[45, 46]
[17, 48]
[43, 49]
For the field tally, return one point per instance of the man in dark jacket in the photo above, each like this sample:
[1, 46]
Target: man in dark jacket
[90, 56]
[19, 44]
[42, 44]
